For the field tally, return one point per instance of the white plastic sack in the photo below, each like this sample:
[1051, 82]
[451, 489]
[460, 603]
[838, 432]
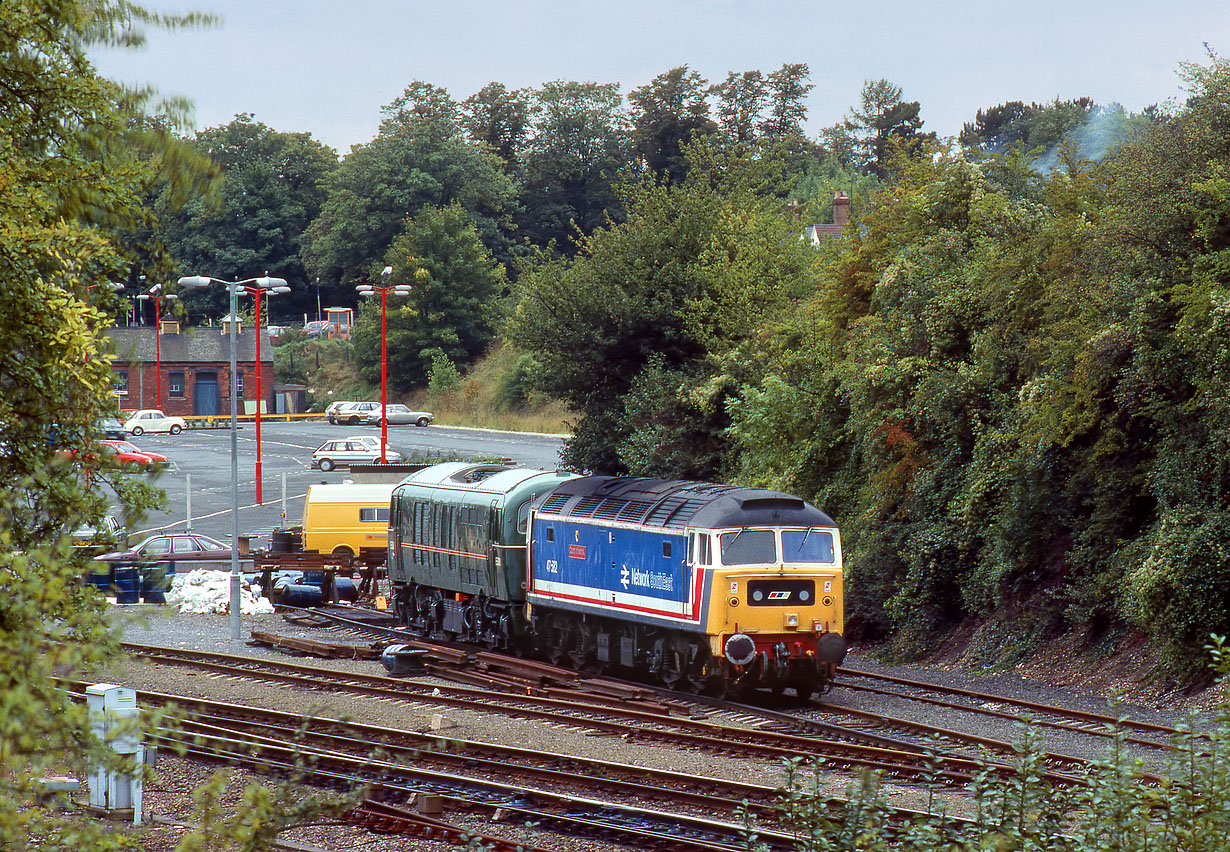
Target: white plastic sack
[210, 591]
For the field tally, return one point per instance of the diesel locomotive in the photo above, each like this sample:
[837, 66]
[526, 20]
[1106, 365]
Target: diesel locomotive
[697, 585]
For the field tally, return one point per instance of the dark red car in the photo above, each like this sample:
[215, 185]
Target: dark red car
[167, 547]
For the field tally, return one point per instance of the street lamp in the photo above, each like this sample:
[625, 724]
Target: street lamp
[384, 288]
[157, 295]
[264, 283]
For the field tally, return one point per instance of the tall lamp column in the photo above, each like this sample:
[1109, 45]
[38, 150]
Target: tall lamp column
[233, 286]
[384, 289]
[257, 292]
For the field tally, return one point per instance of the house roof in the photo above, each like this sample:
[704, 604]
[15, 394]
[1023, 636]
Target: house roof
[203, 344]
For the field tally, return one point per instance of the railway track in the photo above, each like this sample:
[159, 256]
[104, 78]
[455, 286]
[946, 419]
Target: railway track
[841, 719]
[729, 729]
[642, 808]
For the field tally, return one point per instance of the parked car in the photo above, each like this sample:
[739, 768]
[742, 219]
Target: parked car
[153, 420]
[359, 449]
[105, 535]
[316, 328]
[129, 451]
[398, 414]
[110, 427]
[336, 406]
[351, 413]
[164, 547]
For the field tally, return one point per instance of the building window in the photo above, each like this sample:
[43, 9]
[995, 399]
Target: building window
[121, 382]
[175, 385]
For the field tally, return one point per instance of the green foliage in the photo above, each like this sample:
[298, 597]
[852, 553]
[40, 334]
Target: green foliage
[455, 286]
[252, 222]
[1115, 808]
[677, 285]
[444, 375]
[78, 159]
[420, 159]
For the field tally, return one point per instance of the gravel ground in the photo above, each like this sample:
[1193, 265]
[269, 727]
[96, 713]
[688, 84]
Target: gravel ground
[168, 799]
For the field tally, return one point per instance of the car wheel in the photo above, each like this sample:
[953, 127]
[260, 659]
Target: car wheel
[138, 431]
[423, 421]
[176, 428]
[343, 550]
[353, 421]
[326, 465]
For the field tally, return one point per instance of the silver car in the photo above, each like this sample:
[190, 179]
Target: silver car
[349, 413]
[400, 415]
[343, 452]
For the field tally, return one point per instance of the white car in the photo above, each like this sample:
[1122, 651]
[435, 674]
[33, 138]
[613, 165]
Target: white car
[398, 414]
[153, 420]
[358, 449]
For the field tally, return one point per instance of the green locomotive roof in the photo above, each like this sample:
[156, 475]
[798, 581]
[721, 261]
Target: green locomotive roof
[675, 504]
[477, 478]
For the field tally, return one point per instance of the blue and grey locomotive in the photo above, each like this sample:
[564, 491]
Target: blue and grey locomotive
[695, 584]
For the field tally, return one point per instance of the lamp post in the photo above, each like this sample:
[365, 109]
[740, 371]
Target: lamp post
[384, 288]
[265, 283]
[157, 295]
[257, 291]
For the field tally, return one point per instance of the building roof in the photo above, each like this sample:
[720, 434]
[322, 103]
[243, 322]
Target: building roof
[203, 344]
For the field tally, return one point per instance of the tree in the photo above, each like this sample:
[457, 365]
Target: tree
[576, 150]
[499, 117]
[787, 87]
[451, 310]
[419, 159]
[882, 120]
[741, 97]
[668, 113]
[641, 332]
[79, 161]
[254, 221]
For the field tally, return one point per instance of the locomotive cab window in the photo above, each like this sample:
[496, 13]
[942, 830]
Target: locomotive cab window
[748, 547]
[810, 545]
[523, 518]
[666, 549]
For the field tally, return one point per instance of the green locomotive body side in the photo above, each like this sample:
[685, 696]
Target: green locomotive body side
[461, 527]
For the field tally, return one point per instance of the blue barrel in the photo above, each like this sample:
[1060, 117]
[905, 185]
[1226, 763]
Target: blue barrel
[100, 577]
[296, 594]
[156, 582]
[345, 589]
[127, 584]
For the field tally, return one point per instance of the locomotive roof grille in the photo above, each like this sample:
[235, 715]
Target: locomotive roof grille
[674, 504]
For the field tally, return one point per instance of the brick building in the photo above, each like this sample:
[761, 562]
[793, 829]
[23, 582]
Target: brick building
[195, 369]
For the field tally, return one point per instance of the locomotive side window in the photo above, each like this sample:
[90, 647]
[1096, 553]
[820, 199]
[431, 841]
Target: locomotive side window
[748, 547]
[691, 557]
[550, 533]
[704, 550]
[666, 549]
[807, 546]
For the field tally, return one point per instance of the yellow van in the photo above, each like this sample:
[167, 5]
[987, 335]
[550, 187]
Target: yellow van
[347, 518]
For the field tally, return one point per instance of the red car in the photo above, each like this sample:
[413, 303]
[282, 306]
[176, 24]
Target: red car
[127, 451]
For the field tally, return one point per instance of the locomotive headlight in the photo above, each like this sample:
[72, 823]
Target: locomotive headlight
[792, 620]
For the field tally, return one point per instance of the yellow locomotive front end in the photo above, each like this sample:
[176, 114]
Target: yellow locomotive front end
[774, 614]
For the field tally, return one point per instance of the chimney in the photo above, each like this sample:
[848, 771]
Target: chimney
[841, 208]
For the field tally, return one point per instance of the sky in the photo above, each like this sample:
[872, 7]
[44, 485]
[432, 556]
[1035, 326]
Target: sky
[328, 67]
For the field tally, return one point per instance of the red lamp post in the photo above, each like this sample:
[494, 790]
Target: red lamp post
[384, 289]
[157, 295]
[257, 292]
